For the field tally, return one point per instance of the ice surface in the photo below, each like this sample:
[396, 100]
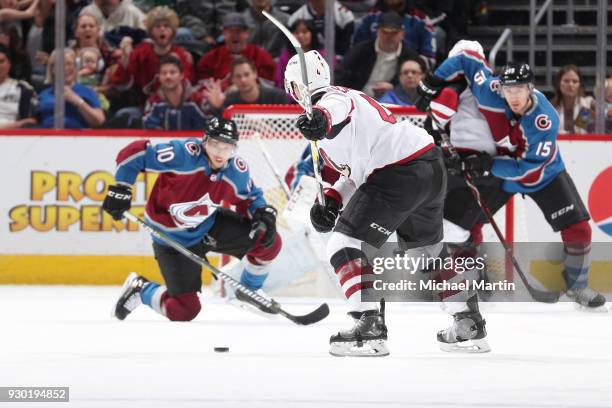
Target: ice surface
[543, 356]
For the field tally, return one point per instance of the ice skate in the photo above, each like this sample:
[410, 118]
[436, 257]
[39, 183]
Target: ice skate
[587, 300]
[130, 296]
[467, 334]
[366, 339]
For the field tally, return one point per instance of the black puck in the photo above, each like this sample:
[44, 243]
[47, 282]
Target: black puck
[221, 349]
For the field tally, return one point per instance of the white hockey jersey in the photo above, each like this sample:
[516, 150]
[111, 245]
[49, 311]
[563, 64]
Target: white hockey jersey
[367, 138]
[469, 130]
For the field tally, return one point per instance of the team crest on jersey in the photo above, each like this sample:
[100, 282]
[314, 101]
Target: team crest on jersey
[240, 164]
[494, 85]
[193, 148]
[192, 213]
[543, 122]
[343, 169]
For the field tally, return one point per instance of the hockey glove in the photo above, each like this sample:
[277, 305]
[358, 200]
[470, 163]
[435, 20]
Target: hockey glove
[315, 128]
[117, 201]
[264, 221]
[427, 90]
[478, 165]
[323, 217]
[453, 164]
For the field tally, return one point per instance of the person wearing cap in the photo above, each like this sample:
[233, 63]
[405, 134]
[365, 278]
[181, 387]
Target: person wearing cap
[373, 66]
[418, 32]
[138, 68]
[215, 64]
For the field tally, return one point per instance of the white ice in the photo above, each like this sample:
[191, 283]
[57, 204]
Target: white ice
[542, 356]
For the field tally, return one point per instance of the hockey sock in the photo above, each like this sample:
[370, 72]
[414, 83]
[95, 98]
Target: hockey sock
[356, 276]
[151, 295]
[454, 299]
[253, 275]
[577, 242]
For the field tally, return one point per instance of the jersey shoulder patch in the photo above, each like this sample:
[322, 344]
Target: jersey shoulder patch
[193, 147]
[240, 164]
[543, 122]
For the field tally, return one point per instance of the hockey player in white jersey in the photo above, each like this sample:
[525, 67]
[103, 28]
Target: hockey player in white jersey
[393, 180]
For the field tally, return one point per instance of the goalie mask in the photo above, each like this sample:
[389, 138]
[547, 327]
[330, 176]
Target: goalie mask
[317, 71]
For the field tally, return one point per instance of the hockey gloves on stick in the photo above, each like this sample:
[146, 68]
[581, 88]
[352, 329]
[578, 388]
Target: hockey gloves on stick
[315, 128]
[427, 90]
[478, 165]
[117, 201]
[323, 217]
[264, 221]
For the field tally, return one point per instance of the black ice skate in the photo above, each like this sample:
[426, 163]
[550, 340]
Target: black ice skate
[130, 296]
[467, 334]
[366, 339]
[587, 299]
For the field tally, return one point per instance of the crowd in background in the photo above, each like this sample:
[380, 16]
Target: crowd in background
[174, 64]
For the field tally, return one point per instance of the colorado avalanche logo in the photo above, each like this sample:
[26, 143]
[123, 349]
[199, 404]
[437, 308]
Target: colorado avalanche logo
[240, 164]
[343, 169]
[193, 148]
[494, 85]
[543, 122]
[193, 213]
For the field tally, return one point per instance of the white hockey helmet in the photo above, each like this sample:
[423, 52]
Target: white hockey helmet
[318, 75]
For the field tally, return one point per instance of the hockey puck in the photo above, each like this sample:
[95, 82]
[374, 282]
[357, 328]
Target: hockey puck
[221, 349]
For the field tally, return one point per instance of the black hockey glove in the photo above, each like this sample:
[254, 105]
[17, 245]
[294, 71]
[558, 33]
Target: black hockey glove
[264, 221]
[433, 131]
[427, 90]
[453, 163]
[323, 217]
[117, 201]
[478, 165]
[315, 128]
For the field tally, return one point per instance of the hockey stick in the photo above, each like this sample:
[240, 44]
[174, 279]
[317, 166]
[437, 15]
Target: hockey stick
[266, 305]
[272, 166]
[543, 296]
[307, 102]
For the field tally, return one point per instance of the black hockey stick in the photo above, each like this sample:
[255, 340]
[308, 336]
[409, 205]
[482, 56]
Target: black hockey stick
[543, 296]
[266, 305]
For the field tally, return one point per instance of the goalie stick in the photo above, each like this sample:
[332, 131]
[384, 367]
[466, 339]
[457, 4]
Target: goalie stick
[307, 102]
[543, 296]
[266, 305]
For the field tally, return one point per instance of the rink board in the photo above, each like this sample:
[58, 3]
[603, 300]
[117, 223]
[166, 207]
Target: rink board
[53, 229]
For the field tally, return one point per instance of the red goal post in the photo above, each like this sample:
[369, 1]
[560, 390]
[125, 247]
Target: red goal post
[274, 126]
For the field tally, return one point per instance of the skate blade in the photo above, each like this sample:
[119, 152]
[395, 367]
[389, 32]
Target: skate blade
[126, 284]
[370, 348]
[467, 346]
[599, 309]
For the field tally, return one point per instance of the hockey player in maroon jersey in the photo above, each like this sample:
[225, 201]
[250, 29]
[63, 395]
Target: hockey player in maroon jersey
[195, 178]
[393, 180]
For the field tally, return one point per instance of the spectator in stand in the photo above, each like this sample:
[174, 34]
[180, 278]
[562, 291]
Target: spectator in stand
[576, 110]
[112, 14]
[303, 30]
[137, 69]
[201, 20]
[345, 22]
[216, 63]
[262, 31]
[410, 74]
[87, 35]
[176, 105]
[11, 10]
[82, 104]
[18, 101]
[34, 46]
[373, 66]
[418, 34]
[248, 90]
[21, 66]
[90, 68]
